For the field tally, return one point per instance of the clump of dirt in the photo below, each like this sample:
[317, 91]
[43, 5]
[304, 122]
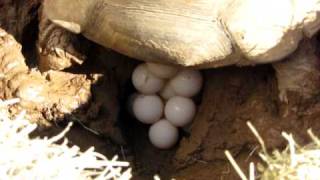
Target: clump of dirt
[45, 96]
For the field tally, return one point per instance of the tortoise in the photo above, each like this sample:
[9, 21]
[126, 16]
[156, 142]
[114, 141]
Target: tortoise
[191, 33]
[206, 33]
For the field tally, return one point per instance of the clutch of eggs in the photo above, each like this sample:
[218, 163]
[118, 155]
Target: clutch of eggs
[164, 100]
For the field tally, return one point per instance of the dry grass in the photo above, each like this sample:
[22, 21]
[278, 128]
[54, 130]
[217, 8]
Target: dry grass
[295, 162]
[43, 158]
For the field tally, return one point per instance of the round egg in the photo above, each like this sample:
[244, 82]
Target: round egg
[187, 82]
[148, 108]
[179, 111]
[167, 92]
[130, 101]
[163, 134]
[161, 70]
[146, 82]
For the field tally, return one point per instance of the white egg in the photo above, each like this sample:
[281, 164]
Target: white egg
[167, 92]
[163, 134]
[187, 83]
[148, 108]
[161, 70]
[179, 111]
[130, 101]
[144, 81]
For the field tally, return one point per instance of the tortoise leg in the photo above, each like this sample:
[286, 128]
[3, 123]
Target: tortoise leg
[298, 76]
[57, 48]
